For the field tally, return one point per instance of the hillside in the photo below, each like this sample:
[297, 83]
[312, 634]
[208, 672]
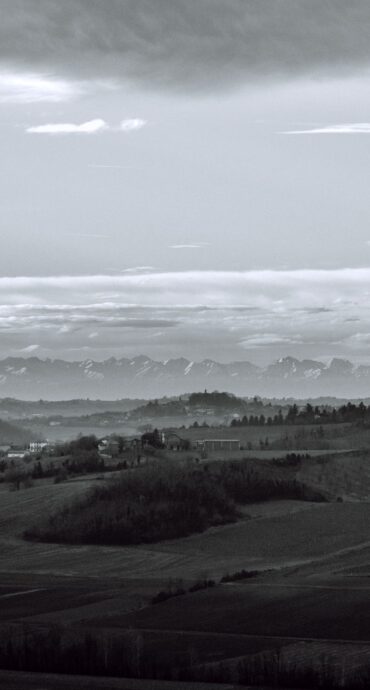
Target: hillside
[167, 501]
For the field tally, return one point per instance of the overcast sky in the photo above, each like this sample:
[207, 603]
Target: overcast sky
[185, 178]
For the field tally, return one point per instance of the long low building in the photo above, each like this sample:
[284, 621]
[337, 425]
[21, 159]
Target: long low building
[209, 444]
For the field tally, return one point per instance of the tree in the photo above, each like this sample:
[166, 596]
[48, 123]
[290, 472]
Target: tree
[15, 476]
[292, 414]
[152, 439]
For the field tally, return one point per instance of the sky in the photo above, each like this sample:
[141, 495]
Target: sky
[185, 178]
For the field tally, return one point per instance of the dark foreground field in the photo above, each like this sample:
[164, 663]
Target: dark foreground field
[35, 681]
[309, 602]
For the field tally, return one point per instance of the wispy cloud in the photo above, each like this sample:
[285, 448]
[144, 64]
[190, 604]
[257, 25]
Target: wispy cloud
[268, 340]
[34, 88]
[349, 128]
[90, 127]
[29, 349]
[132, 125]
[112, 166]
[195, 245]
[138, 269]
[87, 235]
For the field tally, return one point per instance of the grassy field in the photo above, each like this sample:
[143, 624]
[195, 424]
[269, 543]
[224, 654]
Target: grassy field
[318, 588]
[346, 475]
[333, 433]
[18, 508]
[286, 533]
[323, 611]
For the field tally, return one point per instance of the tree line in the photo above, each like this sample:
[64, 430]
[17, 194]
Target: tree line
[129, 655]
[309, 414]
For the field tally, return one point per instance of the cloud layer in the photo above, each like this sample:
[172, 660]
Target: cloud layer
[197, 314]
[186, 42]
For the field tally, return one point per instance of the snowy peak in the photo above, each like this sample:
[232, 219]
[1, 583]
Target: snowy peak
[144, 377]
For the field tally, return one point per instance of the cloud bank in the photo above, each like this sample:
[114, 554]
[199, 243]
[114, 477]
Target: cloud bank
[196, 314]
[186, 43]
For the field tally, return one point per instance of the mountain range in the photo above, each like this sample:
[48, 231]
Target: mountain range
[33, 378]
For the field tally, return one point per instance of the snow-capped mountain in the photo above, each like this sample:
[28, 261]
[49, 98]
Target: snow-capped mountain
[143, 377]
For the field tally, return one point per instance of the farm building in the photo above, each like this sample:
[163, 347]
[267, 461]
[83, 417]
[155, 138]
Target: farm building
[217, 444]
[37, 446]
[16, 454]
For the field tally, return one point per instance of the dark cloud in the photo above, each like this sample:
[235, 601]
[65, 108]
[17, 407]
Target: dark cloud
[186, 43]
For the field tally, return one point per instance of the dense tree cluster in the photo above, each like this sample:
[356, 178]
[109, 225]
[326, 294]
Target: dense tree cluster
[163, 501]
[215, 400]
[82, 444]
[156, 503]
[81, 456]
[153, 439]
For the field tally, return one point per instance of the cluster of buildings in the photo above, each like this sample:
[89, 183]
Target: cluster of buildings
[110, 447]
[13, 452]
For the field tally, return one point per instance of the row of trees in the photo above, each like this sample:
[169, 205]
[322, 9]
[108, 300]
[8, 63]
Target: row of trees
[309, 414]
[130, 655]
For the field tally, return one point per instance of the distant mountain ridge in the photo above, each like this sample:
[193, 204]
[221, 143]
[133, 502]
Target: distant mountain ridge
[33, 378]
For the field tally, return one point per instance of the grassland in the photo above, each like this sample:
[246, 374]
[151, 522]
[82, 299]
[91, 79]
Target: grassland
[295, 610]
[313, 587]
[335, 435]
[279, 536]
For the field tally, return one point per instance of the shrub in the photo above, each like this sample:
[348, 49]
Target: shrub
[240, 575]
